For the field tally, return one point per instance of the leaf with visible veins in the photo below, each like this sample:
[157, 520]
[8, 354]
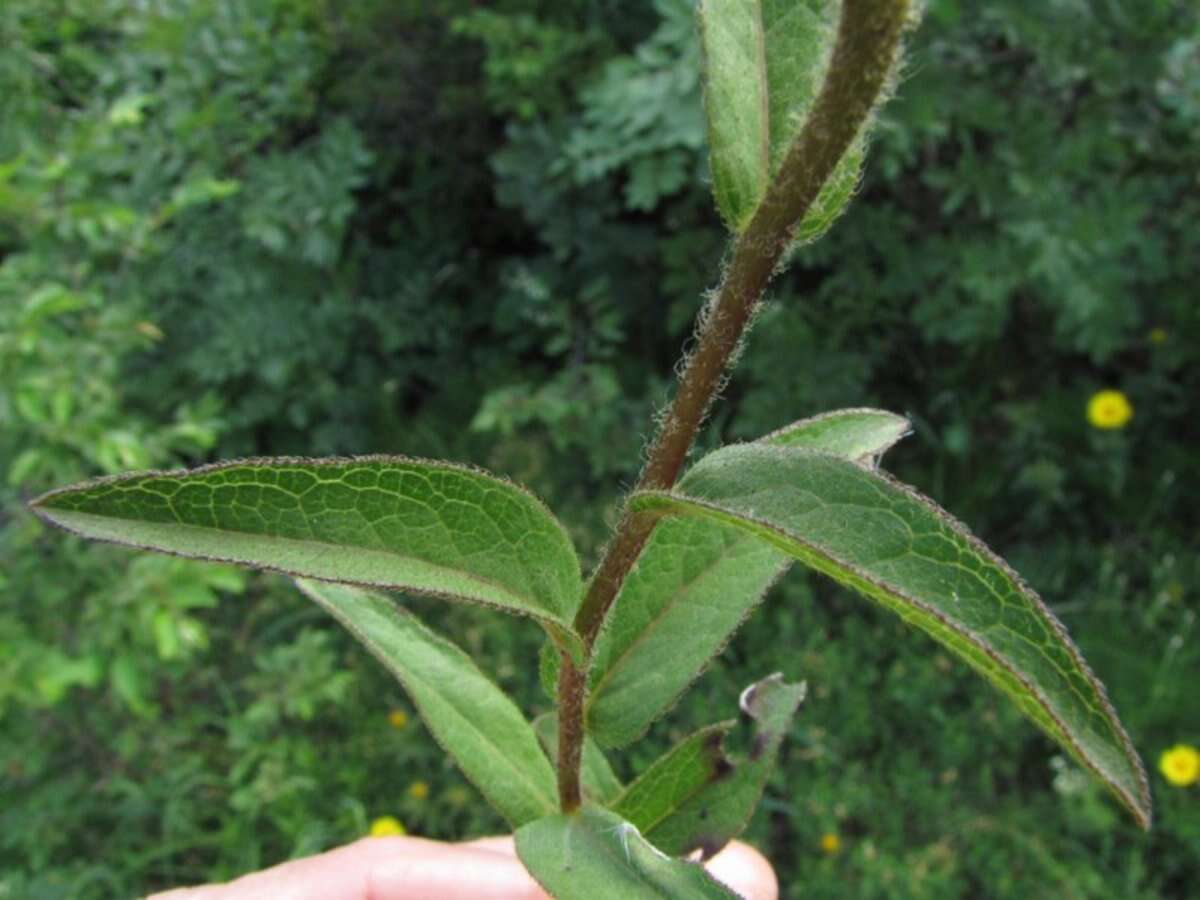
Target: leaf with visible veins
[694, 584]
[890, 544]
[376, 521]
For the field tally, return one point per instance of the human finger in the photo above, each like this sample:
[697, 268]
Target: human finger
[384, 868]
[486, 869]
[745, 871]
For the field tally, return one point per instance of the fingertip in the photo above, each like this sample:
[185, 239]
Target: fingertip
[462, 872]
[744, 870]
[502, 844]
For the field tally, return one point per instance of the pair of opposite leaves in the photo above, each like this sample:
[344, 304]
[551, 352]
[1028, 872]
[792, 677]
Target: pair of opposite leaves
[810, 492]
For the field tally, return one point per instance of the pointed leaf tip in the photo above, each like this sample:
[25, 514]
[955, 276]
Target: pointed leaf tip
[695, 582]
[862, 435]
[892, 545]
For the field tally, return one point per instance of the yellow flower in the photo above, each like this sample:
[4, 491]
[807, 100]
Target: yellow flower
[1158, 335]
[398, 718]
[1109, 409]
[418, 790]
[387, 826]
[1180, 765]
[831, 844]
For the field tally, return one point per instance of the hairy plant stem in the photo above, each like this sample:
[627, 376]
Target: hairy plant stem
[864, 54]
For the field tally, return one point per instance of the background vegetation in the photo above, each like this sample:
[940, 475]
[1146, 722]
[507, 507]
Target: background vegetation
[443, 228]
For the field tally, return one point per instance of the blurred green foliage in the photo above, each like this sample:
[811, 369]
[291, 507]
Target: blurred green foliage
[295, 226]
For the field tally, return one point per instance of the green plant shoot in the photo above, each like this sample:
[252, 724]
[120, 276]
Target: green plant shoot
[791, 88]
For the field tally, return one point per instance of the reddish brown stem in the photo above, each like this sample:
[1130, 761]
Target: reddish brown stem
[867, 43]
[572, 687]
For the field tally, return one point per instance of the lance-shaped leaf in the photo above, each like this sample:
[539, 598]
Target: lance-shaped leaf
[696, 797]
[470, 717]
[600, 784]
[378, 521]
[764, 63]
[694, 584]
[592, 854]
[894, 546]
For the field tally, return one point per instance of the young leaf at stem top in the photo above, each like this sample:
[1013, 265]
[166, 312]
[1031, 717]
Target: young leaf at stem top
[764, 62]
[898, 548]
[378, 521]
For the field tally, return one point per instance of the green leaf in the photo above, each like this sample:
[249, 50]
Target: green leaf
[694, 584]
[548, 664]
[592, 854]
[764, 63]
[898, 548]
[600, 784]
[681, 773]
[470, 717]
[837, 192]
[389, 522]
[692, 587]
[695, 797]
[862, 435]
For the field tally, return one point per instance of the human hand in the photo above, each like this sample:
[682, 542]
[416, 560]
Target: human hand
[409, 868]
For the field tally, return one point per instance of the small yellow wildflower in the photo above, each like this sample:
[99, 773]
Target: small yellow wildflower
[1180, 765]
[398, 718]
[1109, 409]
[831, 844]
[418, 790]
[387, 826]
[1158, 335]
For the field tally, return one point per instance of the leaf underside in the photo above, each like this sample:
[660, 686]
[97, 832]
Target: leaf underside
[764, 63]
[694, 583]
[862, 435]
[387, 522]
[898, 548]
[471, 718]
[593, 854]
